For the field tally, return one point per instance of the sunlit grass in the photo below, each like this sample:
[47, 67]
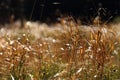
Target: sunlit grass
[65, 51]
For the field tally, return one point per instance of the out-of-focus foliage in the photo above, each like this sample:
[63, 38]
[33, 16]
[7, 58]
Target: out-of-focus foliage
[46, 9]
[117, 20]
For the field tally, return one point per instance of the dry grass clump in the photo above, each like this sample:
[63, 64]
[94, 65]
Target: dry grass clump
[69, 52]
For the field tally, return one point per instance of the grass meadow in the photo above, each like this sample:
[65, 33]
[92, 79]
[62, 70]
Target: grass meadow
[61, 51]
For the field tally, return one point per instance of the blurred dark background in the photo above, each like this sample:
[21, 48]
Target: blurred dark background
[49, 10]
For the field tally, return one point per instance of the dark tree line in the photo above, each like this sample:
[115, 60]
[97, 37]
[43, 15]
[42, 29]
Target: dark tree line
[48, 8]
[10, 9]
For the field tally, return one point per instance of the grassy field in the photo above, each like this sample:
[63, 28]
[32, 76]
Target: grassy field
[65, 51]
